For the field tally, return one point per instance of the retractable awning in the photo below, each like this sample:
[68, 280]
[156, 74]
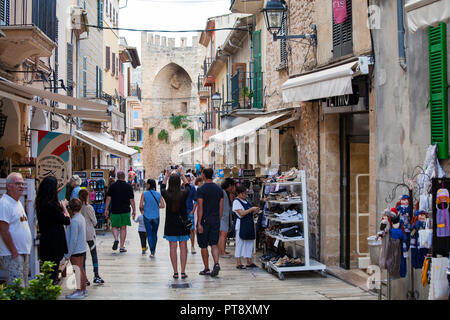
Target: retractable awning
[26, 94]
[245, 128]
[331, 82]
[424, 13]
[104, 142]
[186, 153]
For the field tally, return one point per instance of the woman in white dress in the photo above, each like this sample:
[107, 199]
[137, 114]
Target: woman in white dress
[245, 237]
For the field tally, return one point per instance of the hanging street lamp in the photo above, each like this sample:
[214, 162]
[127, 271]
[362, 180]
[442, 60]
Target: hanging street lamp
[274, 13]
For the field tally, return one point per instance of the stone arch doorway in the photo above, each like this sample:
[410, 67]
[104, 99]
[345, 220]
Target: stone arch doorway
[172, 94]
[288, 152]
[172, 91]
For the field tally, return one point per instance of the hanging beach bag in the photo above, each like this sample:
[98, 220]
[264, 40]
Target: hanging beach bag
[442, 214]
[425, 237]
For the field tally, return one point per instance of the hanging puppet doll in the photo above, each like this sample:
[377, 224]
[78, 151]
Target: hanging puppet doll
[418, 253]
[442, 213]
[404, 210]
[397, 249]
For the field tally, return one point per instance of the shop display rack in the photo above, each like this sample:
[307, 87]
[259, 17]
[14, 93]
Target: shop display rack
[309, 263]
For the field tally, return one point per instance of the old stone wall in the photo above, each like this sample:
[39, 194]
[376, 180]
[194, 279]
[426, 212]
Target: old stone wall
[169, 86]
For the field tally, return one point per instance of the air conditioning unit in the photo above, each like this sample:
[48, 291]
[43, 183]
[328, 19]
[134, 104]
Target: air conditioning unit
[76, 19]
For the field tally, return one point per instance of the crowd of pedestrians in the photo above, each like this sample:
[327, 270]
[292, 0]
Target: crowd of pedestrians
[196, 208]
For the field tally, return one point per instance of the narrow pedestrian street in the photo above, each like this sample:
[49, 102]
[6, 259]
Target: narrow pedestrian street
[132, 276]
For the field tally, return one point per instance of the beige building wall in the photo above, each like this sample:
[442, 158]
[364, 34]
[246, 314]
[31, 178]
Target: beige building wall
[323, 17]
[110, 39]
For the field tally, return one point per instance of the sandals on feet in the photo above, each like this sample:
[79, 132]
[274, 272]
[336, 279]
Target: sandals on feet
[183, 275]
[241, 266]
[205, 272]
[251, 265]
[175, 275]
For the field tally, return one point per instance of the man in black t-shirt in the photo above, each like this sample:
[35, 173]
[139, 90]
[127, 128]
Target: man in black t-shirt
[209, 214]
[121, 196]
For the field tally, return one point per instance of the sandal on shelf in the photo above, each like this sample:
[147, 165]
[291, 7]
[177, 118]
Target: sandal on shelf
[175, 275]
[205, 272]
[241, 266]
[183, 275]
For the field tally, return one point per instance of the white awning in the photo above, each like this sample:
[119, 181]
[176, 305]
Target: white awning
[104, 142]
[424, 13]
[331, 82]
[25, 94]
[245, 128]
[191, 151]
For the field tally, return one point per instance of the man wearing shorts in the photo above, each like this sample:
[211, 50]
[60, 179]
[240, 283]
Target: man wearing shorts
[121, 196]
[209, 213]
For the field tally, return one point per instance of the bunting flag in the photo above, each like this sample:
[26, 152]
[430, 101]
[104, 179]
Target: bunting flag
[339, 11]
[53, 158]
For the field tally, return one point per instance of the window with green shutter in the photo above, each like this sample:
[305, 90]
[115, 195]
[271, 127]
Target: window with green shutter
[437, 42]
[343, 34]
[283, 43]
[100, 14]
[84, 77]
[257, 71]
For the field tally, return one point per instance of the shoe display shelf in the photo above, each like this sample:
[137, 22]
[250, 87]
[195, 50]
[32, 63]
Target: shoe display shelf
[309, 263]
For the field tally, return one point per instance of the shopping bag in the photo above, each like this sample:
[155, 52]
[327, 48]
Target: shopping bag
[438, 282]
[425, 237]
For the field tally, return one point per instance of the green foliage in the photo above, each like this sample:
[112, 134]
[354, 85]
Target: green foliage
[137, 149]
[194, 135]
[247, 93]
[41, 288]
[178, 121]
[150, 130]
[163, 135]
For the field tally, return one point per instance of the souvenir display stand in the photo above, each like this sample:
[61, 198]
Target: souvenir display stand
[96, 183]
[298, 217]
[415, 237]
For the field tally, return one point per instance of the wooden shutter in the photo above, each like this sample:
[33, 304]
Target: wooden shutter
[4, 12]
[108, 58]
[343, 34]
[113, 63]
[437, 41]
[69, 79]
[100, 14]
[100, 89]
[283, 42]
[97, 81]
[257, 70]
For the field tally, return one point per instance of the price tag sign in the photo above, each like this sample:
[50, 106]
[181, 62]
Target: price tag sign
[276, 243]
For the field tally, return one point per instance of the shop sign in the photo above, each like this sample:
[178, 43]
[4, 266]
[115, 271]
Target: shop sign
[249, 173]
[53, 158]
[81, 174]
[96, 174]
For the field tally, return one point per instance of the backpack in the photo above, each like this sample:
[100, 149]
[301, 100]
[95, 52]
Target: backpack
[442, 214]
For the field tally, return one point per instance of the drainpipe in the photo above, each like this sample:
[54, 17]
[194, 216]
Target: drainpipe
[401, 35]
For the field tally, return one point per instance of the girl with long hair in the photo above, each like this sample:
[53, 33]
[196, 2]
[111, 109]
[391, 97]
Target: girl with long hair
[52, 216]
[151, 202]
[174, 228]
[91, 221]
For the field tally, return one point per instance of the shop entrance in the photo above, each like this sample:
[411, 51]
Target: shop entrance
[354, 220]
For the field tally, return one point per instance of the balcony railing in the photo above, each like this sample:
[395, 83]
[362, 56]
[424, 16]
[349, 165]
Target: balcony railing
[201, 87]
[40, 13]
[247, 90]
[135, 91]
[206, 64]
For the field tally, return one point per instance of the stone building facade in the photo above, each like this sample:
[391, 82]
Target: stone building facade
[169, 88]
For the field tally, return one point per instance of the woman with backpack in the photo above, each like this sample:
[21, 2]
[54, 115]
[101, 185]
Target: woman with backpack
[151, 202]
